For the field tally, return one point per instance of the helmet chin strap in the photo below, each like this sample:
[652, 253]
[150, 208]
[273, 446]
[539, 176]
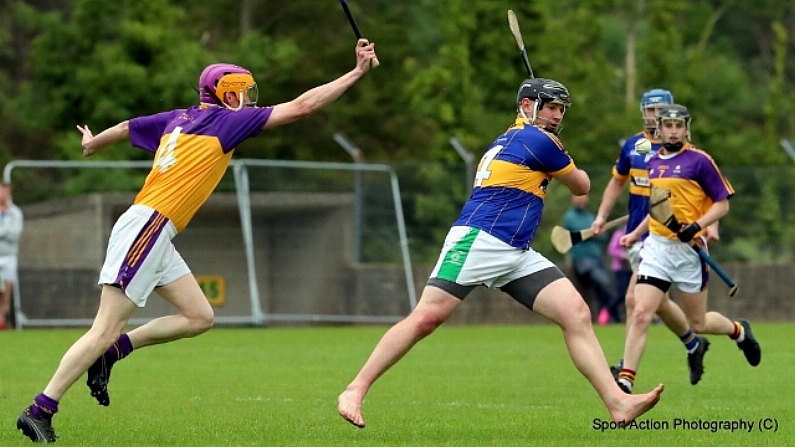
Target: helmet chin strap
[215, 97]
[536, 118]
[219, 102]
[673, 147]
[239, 102]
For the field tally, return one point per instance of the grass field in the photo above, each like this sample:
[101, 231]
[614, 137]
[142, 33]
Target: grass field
[463, 386]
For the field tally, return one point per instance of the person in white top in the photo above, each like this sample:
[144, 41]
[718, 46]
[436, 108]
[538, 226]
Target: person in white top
[11, 223]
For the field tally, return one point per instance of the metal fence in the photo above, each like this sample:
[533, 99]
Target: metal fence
[391, 222]
[282, 184]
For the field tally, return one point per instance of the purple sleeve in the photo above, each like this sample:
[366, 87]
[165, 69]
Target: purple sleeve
[243, 124]
[712, 180]
[146, 131]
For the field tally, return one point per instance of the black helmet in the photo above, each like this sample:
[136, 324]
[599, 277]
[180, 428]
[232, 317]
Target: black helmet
[545, 90]
[673, 112]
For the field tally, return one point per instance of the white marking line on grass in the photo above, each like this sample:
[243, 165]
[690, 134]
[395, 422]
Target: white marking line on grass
[265, 399]
[480, 405]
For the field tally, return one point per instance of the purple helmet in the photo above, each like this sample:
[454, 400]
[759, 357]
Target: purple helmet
[209, 91]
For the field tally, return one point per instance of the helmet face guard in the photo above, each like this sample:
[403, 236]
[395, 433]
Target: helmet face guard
[654, 100]
[673, 112]
[242, 85]
[219, 79]
[542, 91]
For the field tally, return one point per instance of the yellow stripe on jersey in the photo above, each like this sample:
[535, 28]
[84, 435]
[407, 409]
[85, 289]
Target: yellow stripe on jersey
[640, 182]
[565, 170]
[714, 165]
[619, 176]
[186, 170]
[511, 175]
[688, 201]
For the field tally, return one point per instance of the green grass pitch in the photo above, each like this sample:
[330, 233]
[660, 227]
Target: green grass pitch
[463, 386]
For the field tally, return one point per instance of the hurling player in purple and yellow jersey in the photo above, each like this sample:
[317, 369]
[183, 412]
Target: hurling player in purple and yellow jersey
[489, 245]
[192, 149]
[699, 197]
[631, 165]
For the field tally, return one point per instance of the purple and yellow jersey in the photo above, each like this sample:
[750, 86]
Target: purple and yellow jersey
[511, 183]
[192, 149]
[695, 182]
[632, 165]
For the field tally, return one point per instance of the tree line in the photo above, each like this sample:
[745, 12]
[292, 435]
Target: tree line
[448, 68]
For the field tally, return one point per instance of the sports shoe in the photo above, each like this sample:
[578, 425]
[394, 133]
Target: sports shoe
[750, 347]
[98, 378]
[695, 360]
[38, 430]
[615, 370]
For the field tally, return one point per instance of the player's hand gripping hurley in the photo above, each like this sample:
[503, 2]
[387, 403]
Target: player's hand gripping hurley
[660, 210]
[355, 26]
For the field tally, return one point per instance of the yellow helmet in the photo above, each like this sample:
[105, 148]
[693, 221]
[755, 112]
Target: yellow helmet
[219, 79]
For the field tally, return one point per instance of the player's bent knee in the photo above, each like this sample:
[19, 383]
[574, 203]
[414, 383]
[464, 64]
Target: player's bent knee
[201, 323]
[580, 315]
[101, 337]
[629, 302]
[642, 316]
[426, 323]
[575, 313]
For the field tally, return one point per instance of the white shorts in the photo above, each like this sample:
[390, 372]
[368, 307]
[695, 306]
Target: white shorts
[673, 261]
[8, 269]
[471, 257]
[140, 254]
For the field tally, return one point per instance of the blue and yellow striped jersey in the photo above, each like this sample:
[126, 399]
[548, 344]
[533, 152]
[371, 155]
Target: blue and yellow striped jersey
[632, 165]
[511, 182]
[192, 149]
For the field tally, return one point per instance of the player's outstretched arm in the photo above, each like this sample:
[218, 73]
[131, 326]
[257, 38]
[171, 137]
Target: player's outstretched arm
[314, 99]
[612, 192]
[93, 144]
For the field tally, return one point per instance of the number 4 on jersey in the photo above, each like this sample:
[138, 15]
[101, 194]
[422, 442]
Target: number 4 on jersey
[165, 155]
[483, 172]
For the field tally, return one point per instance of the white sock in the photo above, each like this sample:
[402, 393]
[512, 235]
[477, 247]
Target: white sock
[741, 338]
[626, 383]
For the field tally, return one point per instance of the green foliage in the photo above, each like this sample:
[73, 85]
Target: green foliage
[449, 68]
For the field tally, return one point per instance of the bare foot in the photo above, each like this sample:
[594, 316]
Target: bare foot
[633, 406]
[349, 406]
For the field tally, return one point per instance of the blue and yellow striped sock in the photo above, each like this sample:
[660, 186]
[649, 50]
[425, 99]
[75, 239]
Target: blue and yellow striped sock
[690, 340]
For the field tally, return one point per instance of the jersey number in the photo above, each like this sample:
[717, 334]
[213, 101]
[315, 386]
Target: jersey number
[483, 169]
[165, 156]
